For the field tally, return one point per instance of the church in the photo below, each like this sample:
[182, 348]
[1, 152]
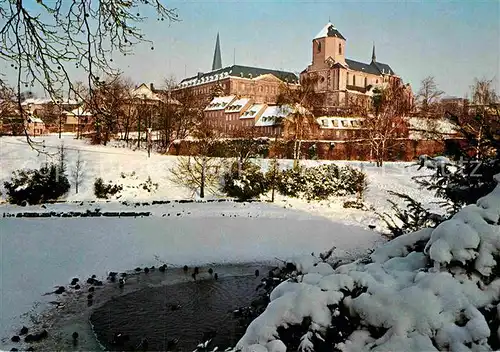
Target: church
[340, 80]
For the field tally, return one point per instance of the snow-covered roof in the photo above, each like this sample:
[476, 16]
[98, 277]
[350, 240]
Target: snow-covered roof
[79, 111]
[421, 128]
[41, 101]
[252, 111]
[144, 92]
[337, 122]
[33, 119]
[237, 105]
[272, 115]
[219, 103]
[329, 30]
[239, 71]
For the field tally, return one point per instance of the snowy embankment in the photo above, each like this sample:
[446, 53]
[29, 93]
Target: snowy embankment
[425, 291]
[132, 168]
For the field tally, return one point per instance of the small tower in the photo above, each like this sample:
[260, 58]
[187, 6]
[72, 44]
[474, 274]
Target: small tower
[374, 58]
[217, 62]
[328, 43]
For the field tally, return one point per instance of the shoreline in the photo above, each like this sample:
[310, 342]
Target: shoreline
[72, 312]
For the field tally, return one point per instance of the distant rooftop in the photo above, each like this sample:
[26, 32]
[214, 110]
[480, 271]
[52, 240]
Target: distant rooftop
[237, 71]
[375, 67]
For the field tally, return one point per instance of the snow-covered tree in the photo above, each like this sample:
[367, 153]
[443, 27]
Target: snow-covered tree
[429, 290]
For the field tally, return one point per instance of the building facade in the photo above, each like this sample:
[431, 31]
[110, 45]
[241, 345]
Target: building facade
[260, 84]
[342, 81]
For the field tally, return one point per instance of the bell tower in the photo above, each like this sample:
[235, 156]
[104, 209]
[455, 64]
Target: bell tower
[328, 44]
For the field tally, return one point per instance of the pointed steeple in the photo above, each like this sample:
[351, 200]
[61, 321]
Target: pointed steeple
[374, 58]
[217, 63]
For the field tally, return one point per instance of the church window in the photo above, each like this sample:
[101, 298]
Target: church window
[353, 80]
[319, 47]
[376, 81]
[366, 81]
[340, 49]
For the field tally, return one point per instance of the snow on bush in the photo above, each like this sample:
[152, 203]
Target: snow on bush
[321, 182]
[434, 289]
[244, 182]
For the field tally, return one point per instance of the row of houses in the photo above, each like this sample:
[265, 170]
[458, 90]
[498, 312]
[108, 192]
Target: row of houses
[230, 114]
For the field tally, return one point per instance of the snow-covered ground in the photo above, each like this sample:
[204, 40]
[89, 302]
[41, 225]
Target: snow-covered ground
[131, 168]
[38, 254]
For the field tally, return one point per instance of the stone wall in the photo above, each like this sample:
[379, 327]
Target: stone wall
[407, 150]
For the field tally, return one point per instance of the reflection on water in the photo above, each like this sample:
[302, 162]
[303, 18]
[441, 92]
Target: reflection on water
[185, 312]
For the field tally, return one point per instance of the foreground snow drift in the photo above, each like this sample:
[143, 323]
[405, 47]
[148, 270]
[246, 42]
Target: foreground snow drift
[424, 291]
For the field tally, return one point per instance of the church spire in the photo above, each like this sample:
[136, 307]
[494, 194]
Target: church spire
[217, 63]
[374, 58]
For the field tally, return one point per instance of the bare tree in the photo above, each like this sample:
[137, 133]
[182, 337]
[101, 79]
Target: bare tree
[78, 172]
[108, 105]
[428, 97]
[41, 40]
[298, 103]
[201, 171]
[244, 144]
[7, 101]
[483, 93]
[386, 124]
[479, 124]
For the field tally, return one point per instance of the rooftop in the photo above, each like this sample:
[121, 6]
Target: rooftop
[220, 103]
[237, 71]
[329, 30]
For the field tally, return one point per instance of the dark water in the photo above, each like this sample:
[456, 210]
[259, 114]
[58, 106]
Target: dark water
[204, 306]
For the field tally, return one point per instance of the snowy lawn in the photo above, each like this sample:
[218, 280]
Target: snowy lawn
[131, 168]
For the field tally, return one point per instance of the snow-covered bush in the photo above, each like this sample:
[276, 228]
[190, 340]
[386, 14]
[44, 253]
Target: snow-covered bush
[290, 182]
[148, 185]
[38, 185]
[434, 289]
[321, 182]
[244, 184]
[104, 191]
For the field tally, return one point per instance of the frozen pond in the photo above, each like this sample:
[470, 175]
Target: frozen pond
[39, 254]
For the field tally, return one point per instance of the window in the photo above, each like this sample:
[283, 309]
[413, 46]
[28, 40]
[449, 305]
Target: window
[366, 81]
[324, 123]
[347, 79]
[353, 80]
[319, 47]
[376, 81]
[340, 49]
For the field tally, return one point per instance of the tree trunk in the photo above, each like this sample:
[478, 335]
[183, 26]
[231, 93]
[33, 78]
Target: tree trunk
[139, 133]
[240, 165]
[202, 183]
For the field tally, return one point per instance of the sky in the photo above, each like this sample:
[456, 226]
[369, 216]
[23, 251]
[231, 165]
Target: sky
[454, 41]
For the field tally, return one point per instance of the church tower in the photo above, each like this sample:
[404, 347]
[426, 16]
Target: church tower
[328, 44]
[217, 62]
